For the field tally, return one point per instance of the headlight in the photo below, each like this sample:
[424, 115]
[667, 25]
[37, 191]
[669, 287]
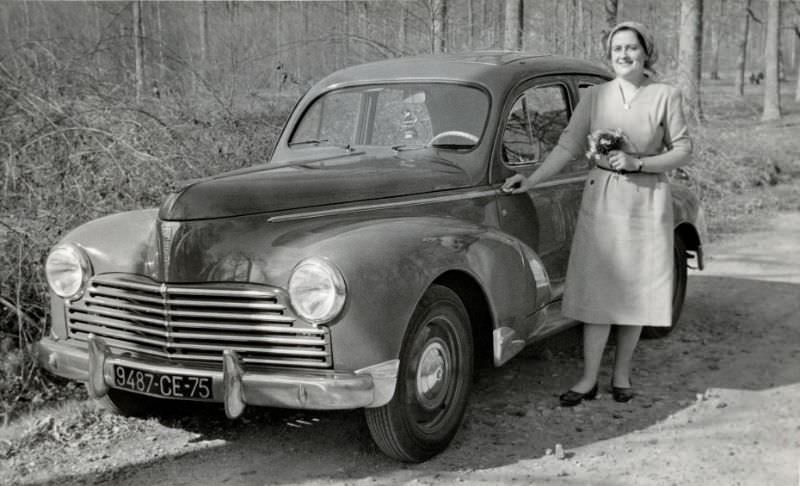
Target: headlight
[317, 290]
[67, 270]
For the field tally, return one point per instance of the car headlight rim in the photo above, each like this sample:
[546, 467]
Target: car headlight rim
[317, 290]
[67, 270]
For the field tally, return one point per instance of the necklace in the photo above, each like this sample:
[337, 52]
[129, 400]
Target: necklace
[626, 103]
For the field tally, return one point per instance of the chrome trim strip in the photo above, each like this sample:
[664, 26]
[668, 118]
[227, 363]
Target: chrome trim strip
[209, 359]
[89, 325]
[386, 205]
[178, 289]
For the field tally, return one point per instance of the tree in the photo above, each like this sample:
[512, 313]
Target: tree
[690, 48]
[512, 39]
[716, 33]
[611, 7]
[797, 40]
[438, 25]
[741, 60]
[772, 95]
[138, 49]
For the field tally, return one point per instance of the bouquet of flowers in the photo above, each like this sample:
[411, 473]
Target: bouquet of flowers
[603, 141]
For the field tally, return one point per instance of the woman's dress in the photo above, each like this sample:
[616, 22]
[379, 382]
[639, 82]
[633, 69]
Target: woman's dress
[621, 264]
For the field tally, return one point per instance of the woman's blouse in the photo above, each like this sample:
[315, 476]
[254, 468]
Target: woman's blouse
[654, 123]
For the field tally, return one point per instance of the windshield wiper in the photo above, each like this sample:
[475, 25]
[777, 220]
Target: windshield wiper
[318, 141]
[310, 141]
[454, 146]
[401, 147]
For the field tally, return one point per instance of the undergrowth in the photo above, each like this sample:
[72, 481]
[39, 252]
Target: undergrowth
[74, 148]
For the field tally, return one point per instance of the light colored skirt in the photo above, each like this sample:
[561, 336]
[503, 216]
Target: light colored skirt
[621, 264]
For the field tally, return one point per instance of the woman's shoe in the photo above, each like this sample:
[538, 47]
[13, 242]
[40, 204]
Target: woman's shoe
[620, 394]
[572, 398]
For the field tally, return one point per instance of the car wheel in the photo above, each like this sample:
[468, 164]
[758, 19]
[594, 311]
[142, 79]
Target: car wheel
[678, 293]
[433, 381]
[121, 402]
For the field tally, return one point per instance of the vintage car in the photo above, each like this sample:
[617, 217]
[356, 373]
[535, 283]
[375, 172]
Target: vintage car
[371, 262]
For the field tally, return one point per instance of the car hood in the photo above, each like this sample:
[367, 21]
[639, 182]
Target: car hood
[323, 181]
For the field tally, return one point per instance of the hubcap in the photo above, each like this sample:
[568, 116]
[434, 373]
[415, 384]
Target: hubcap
[433, 374]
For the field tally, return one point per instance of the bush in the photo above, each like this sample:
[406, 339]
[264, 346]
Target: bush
[71, 154]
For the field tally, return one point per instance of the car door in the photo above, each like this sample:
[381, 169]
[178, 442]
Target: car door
[543, 218]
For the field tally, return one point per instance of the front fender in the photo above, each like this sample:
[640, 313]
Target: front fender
[388, 265]
[123, 242]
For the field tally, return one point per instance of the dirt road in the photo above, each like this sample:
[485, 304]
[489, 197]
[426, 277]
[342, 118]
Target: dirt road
[718, 404]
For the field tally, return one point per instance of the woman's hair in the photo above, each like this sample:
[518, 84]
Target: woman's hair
[644, 37]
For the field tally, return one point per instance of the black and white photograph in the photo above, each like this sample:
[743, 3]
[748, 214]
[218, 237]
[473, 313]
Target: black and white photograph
[400, 242]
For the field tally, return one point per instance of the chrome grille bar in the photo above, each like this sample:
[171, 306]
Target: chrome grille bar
[196, 323]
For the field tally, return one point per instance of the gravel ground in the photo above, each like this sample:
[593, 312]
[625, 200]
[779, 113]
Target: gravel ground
[718, 404]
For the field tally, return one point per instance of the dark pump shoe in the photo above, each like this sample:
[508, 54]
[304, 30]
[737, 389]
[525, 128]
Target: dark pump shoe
[620, 394]
[572, 398]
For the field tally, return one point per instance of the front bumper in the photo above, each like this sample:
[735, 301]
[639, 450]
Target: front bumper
[234, 386]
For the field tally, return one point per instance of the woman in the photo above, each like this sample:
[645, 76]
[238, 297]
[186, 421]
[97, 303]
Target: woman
[621, 264]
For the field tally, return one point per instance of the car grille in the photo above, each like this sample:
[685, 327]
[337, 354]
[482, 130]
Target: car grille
[195, 323]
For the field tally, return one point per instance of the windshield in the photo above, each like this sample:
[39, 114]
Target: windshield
[396, 115]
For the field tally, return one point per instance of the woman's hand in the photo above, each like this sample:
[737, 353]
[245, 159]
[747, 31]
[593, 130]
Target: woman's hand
[619, 160]
[516, 184]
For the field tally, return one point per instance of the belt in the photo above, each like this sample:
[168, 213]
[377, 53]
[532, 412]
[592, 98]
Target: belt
[621, 171]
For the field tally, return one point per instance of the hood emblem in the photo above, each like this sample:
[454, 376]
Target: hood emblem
[168, 231]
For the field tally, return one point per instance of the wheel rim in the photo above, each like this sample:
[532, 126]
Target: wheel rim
[432, 380]
[432, 374]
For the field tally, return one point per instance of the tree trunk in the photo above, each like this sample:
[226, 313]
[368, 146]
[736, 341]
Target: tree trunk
[579, 38]
[591, 43]
[203, 26]
[97, 25]
[438, 25]
[611, 17]
[512, 40]
[138, 51]
[741, 60]
[716, 34]
[690, 58]
[474, 29]
[160, 26]
[404, 28]
[27, 20]
[772, 98]
[796, 41]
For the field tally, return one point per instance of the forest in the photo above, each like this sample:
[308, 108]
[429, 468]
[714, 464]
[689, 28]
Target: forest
[105, 106]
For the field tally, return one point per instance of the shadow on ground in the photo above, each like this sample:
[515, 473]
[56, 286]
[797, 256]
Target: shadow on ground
[734, 333]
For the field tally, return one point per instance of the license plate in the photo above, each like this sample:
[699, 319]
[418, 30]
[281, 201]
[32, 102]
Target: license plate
[163, 384]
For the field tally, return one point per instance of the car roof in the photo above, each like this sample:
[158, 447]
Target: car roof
[495, 69]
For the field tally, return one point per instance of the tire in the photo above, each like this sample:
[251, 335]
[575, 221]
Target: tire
[678, 293]
[127, 404]
[433, 381]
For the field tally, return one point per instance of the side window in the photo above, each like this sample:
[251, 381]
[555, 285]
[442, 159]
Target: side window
[536, 121]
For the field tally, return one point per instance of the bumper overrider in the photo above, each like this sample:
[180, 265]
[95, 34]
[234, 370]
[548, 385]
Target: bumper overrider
[234, 386]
